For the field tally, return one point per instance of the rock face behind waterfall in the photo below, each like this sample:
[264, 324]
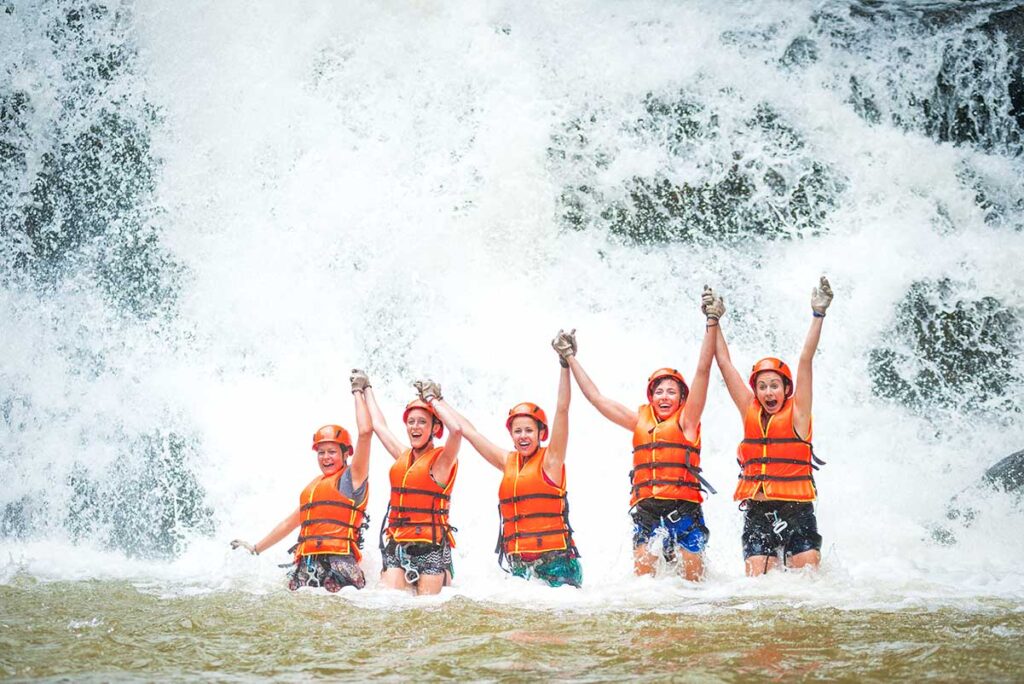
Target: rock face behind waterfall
[1007, 475]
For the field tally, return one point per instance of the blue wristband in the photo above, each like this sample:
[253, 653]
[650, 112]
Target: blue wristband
[817, 315]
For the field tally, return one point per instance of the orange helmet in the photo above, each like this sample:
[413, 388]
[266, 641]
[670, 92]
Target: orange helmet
[420, 404]
[333, 433]
[528, 408]
[665, 373]
[770, 363]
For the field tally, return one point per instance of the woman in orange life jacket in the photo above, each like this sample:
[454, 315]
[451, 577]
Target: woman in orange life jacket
[535, 537]
[416, 539]
[332, 511]
[776, 484]
[666, 484]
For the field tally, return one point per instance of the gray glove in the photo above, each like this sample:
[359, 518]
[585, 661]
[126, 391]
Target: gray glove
[711, 304]
[428, 389]
[235, 543]
[821, 297]
[360, 381]
[565, 344]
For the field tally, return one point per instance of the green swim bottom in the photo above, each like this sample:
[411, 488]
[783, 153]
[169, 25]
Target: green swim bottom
[555, 567]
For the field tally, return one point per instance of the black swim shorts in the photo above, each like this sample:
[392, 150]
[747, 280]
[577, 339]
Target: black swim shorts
[771, 526]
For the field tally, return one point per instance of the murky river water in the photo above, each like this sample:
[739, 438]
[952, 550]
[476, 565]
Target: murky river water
[106, 630]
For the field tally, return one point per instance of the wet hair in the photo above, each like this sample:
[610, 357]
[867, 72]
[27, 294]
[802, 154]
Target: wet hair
[345, 449]
[667, 378]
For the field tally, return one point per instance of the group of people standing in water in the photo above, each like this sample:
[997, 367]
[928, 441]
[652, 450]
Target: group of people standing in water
[776, 487]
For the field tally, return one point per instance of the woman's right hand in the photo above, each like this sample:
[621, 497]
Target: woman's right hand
[360, 381]
[236, 543]
[427, 389]
[711, 304]
[565, 344]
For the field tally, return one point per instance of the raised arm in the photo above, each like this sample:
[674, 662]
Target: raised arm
[740, 392]
[361, 459]
[491, 452]
[380, 425]
[565, 345]
[821, 298]
[554, 458]
[280, 531]
[430, 392]
[697, 398]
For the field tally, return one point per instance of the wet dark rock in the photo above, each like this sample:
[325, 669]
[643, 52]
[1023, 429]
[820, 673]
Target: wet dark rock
[863, 103]
[1002, 206]
[780, 192]
[146, 504]
[948, 352]
[977, 95]
[799, 53]
[1008, 474]
[88, 208]
[1010, 25]
[1005, 476]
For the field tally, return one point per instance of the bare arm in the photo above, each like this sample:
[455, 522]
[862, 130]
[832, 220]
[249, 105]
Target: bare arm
[361, 459]
[280, 531]
[821, 299]
[491, 452]
[690, 418]
[442, 468]
[740, 392]
[380, 426]
[609, 408]
[802, 392]
[554, 458]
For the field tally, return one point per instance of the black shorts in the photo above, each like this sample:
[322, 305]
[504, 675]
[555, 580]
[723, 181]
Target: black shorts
[418, 558]
[773, 526]
[330, 571]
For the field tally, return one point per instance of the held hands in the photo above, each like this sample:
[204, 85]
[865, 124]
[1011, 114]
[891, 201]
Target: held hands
[428, 389]
[712, 304]
[821, 297]
[236, 543]
[565, 344]
[360, 381]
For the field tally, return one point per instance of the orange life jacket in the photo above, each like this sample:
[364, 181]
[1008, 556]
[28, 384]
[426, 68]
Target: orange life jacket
[666, 465]
[418, 511]
[534, 513]
[775, 458]
[330, 521]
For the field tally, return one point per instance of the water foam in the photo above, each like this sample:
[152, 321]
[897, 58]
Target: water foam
[373, 187]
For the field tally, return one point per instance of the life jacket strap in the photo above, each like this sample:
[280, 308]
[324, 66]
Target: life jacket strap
[336, 504]
[775, 440]
[701, 484]
[674, 482]
[772, 459]
[524, 497]
[649, 465]
[314, 537]
[525, 516]
[425, 492]
[530, 535]
[666, 445]
[775, 478]
[330, 521]
[413, 509]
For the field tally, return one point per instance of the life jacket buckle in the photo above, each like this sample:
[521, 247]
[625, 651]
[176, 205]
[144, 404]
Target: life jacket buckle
[673, 516]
